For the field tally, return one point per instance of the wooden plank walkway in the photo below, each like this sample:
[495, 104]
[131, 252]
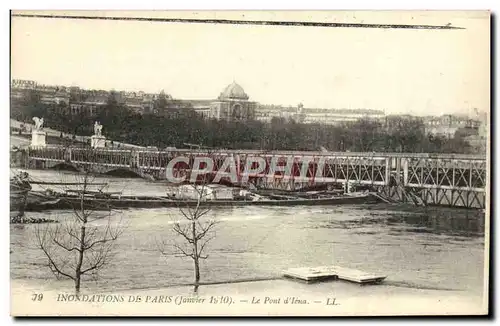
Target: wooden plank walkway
[315, 274]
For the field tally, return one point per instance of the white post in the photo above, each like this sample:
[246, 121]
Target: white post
[98, 141]
[38, 138]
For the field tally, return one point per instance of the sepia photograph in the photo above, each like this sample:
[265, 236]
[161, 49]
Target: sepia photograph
[249, 163]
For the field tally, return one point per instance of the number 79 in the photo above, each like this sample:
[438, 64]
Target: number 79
[37, 297]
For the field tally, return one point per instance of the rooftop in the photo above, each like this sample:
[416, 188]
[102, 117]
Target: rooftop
[233, 91]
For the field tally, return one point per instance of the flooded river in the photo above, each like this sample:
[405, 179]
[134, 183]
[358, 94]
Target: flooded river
[427, 248]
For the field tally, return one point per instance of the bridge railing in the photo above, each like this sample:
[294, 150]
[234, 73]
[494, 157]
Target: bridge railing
[177, 152]
[446, 174]
[412, 169]
[317, 153]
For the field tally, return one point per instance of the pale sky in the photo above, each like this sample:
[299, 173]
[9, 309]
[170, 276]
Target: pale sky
[418, 72]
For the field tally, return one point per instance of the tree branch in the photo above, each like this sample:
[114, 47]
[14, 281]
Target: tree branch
[64, 247]
[183, 232]
[202, 247]
[183, 251]
[205, 229]
[52, 264]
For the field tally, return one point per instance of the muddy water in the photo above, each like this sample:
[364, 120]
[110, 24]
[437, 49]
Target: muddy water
[418, 248]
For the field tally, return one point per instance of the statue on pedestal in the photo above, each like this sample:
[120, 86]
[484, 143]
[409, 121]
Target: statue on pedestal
[97, 129]
[38, 123]
[98, 140]
[37, 135]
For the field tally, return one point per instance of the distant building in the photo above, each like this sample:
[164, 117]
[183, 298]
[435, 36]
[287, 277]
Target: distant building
[201, 107]
[48, 94]
[147, 104]
[335, 116]
[23, 84]
[95, 100]
[53, 94]
[483, 130]
[83, 109]
[232, 105]
[266, 113]
[315, 115]
[447, 124]
[479, 142]
[482, 118]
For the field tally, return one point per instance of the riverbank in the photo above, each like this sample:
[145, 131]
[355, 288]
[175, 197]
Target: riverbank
[270, 297]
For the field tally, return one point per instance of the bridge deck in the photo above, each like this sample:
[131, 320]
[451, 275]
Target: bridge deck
[431, 175]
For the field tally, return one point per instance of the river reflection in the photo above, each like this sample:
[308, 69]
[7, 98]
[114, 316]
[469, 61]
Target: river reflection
[404, 219]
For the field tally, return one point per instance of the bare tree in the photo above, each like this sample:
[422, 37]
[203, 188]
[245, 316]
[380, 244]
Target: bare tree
[194, 231]
[83, 243]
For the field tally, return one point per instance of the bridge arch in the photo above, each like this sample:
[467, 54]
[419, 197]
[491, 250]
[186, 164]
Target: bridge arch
[65, 166]
[123, 172]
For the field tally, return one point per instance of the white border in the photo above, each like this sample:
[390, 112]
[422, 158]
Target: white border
[186, 5]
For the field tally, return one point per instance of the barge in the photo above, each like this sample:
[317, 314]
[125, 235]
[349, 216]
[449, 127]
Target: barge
[124, 202]
[25, 198]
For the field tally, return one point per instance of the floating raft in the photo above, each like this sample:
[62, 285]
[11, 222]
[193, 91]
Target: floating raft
[315, 274]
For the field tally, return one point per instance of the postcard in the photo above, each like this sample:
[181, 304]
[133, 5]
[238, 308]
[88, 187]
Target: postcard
[249, 163]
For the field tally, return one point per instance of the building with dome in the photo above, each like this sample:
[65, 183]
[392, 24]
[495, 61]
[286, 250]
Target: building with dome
[233, 105]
